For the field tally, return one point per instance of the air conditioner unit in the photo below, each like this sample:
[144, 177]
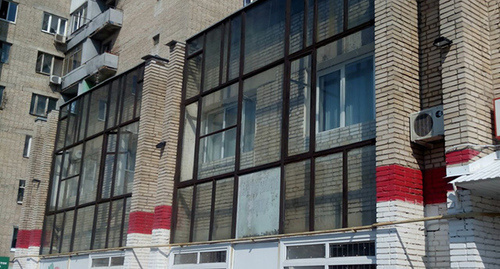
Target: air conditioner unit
[57, 80]
[427, 125]
[59, 38]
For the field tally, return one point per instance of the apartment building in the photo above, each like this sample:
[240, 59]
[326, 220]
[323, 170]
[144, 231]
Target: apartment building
[290, 134]
[28, 59]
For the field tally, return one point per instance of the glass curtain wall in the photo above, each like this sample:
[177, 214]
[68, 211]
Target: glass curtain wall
[278, 122]
[93, 167]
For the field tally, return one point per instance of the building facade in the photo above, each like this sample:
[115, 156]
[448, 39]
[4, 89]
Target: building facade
[28, 58]
[290, 134]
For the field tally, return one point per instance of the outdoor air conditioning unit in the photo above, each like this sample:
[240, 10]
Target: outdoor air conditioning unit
[427, 125]
[59, 38]
[57, 80]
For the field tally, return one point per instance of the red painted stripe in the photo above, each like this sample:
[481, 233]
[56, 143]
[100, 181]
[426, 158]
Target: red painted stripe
[23, 239]
[36, 238]
[140, 222]
[461, 156]
[436, 185]
[162, 217]
[396, 182]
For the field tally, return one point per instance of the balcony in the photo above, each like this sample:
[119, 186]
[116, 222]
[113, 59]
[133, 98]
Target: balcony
[100, 27]
[96, 70]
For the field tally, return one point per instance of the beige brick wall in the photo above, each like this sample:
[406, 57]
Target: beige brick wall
[20, 80]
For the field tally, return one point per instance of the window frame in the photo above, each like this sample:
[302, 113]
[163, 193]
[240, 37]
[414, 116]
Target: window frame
[13, 243]
[34, 104]
[8, 11]
[198, 250]
[5, 51]
[70, 58]
[341, 66]
[27, 146]
[2, 97]
[40, 61]
[21, 191]
[78, 18]
[49, 23]
[222, 147]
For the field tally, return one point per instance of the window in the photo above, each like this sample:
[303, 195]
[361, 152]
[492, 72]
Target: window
[8, 11]
[102, 110]
[48, 64]
[78, 18]
[41, 105]
[346, 95]
[20, 191]
[53, 24]
[2, 97]
[213, 258]
[108, 262]
[73, 59]
[27, 146]
[14, 239]
[4, 52]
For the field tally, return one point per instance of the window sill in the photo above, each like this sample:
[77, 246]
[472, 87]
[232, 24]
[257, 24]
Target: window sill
[42, 73]
[49, 33]
[12, 250]
[11, 22]
[19, 203]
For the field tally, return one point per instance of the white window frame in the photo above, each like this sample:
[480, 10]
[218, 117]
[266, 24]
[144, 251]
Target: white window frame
[359, 54]
[224, 125]
[47, 102]
[358, 237]
[108, 256]
[78, 18]
[49, 23]
[21, 187]
[52, 63]
[8, 11]
[14, 228]
[198, 250]
[27, 146]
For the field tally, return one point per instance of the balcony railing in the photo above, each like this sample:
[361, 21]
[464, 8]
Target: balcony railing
[96, 69]
[100, 27]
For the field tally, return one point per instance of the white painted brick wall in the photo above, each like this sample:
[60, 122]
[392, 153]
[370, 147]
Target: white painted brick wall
[437, 241]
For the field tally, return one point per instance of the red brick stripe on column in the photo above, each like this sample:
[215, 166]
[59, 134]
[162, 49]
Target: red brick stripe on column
[461, 156]
[436, 185]
[162, 218]
[23, 239]
[395, 182]
[36, 238]
[140, 222]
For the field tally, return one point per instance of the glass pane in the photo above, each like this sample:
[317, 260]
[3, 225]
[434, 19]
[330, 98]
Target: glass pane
[201, 224]
[234, 53]
[12, 12]
[62, 27]
[258, 204]
[299, 110]
[90, 173]
[83, 230]
[82, 115]
[53, 25]
[225, 52]
[117, 261]
[211, 257]
[328, 192]
[68, 230]
[129, 96]
[3, 9]
[310, 22]
[195, 45]
[138, 94]
[212, 58]
[72, 161]
[125, 165]
[61, 136]
[330, 18]
[184, 206]
[305, 252]
[360, 94]
[296, 25]
[217, 154]
[94, 124]
[41, 104]
[56, 235]
[223, 209]
[187, 258]
[115, 224]
[45, 22]
[67, 193]
[329, 101]
[219, 110]
[55, 181]
[108, 176]
[100, 262]
[47, 63]
[262, 116]
[47, 234]
[125, 221]
[359, 11]
[101, 226]
[297, 195]
[188, 141]
[193, 76]
[114, 103]
[361, 184]
[72, 124]
[264, 34]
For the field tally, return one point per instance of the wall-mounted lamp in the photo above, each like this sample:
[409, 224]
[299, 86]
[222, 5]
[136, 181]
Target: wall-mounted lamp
[161, 144]
[442, 42]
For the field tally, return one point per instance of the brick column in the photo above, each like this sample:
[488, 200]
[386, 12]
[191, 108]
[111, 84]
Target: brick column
[147, 162]
[466, 79]
[399, 177]
[35, 194]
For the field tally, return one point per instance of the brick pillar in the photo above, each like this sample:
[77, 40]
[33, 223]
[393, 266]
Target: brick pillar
[147, 162]
[466, 79]
[163, 209]
[35, 194]
[399, 178]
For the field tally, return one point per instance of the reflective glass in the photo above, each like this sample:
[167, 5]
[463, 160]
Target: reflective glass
[299, 108]
[201, 224]
[330, 18]
[101, 226]
[235, 47]
[184, 206]
[305, 252]
[193, 76]
[68, 230]
[90, 173]
[83, 230]
[125, 163]
[212, 58]
[94, 124]
[223, 209]
[115, 223]
[359, 11]
[328, 192]
[189, 141]
[297, 196]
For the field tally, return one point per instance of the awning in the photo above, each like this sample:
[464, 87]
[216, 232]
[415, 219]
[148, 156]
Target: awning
[484, 181]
